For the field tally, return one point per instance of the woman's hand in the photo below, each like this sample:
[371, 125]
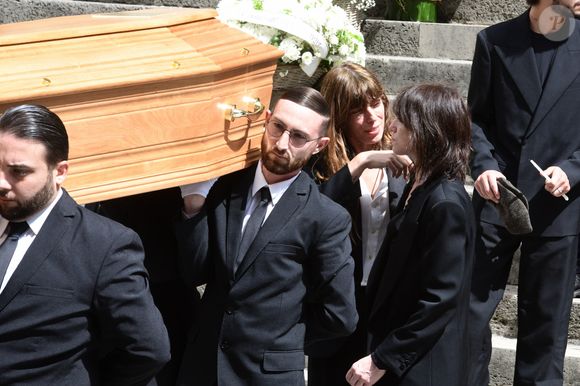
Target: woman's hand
[364, 373]
[399, 165]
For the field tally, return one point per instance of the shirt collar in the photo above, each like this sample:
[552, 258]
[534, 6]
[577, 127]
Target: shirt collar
[276, 190]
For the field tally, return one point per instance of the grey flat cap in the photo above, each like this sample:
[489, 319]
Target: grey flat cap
[513, 208]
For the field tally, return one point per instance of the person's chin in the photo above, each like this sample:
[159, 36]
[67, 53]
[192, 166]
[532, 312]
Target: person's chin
[10, 214]
[274, 165]
[5, 204]
[398, 151]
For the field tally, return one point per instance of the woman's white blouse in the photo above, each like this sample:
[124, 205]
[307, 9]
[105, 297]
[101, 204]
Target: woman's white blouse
[374, 217]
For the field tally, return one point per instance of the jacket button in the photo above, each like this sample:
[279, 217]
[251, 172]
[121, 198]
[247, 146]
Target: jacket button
[225, 345]
[229, 311]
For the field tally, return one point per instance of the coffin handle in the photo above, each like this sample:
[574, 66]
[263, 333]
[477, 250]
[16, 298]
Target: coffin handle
[255, 108]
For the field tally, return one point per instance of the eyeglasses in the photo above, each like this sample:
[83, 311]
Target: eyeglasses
[296, 138]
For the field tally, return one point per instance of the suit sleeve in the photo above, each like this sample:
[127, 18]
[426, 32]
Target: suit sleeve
[193, 243]
[571, 167]
[131, 327]
[341, 189]
[482, 111]
[330, 304]
[442, 277]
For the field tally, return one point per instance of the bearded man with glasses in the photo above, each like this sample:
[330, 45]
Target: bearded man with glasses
[275, 256]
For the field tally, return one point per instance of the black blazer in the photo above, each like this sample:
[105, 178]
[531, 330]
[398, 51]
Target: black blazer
[77, 310]
[295, 284]
[419, 286]
[344, 191]
[514, 120]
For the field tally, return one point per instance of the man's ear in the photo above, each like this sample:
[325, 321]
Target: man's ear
[268, 116]
[321, 144]
[60, 172]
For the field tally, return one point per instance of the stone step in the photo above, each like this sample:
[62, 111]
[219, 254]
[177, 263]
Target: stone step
[396, 72]
[504, 321]
[14, 11]
[479, 11]
[503, 360]
[421, 40]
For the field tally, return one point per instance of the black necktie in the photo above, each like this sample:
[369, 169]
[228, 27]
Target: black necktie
[253, 225]
[15, 230]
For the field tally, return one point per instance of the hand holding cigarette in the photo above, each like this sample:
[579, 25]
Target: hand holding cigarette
[547, 177]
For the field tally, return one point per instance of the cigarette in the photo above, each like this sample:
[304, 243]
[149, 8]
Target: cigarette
[546, 177]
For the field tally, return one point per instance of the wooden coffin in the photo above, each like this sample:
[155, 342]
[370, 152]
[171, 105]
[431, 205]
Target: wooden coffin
[142, 94]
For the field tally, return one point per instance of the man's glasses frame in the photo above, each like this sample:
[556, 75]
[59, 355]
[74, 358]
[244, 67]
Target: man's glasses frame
[296, 138]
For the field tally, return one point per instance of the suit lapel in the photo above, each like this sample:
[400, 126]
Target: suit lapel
[397, 251]
[236, 210]
[398, 247]
[565, 69]
[58, 222]
[396, 187]
[520, 62]
[291, 200]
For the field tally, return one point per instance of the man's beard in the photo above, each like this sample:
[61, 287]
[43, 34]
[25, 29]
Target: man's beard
[24, 209]
[277, 165]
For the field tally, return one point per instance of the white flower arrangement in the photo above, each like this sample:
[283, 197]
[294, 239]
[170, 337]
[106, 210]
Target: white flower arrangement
[311, 33]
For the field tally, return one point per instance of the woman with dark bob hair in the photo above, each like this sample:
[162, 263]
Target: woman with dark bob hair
[418, 288]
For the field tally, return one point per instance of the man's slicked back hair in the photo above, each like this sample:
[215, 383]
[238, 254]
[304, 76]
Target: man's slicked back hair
[37, 123]
[311, 99]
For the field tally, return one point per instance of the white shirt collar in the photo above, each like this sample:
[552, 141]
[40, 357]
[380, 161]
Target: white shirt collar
[276, 190]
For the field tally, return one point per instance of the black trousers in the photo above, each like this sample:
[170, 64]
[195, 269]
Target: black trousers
[545, 287]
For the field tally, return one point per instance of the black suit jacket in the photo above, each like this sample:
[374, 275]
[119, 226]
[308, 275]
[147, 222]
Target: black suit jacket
[344, 191]
[341, 189]
[152, 216]
[294, 284]
[515, 120]
[418, 289]
[77, 310]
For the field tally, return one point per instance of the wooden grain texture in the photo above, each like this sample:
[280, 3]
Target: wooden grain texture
[58, 28]
[140, 100]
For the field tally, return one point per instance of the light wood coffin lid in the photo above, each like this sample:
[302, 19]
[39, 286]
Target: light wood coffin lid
[138, 92]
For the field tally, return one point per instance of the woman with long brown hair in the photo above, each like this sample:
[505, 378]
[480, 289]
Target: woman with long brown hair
[359, 171]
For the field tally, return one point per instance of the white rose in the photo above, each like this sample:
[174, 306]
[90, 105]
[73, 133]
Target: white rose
[291, 49]
[307, 58]
[344, 50]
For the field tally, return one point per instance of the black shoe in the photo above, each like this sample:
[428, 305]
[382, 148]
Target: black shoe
[577, 286]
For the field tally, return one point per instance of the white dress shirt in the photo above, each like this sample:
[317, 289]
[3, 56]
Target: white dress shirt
[276, 192]
[35, 223]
